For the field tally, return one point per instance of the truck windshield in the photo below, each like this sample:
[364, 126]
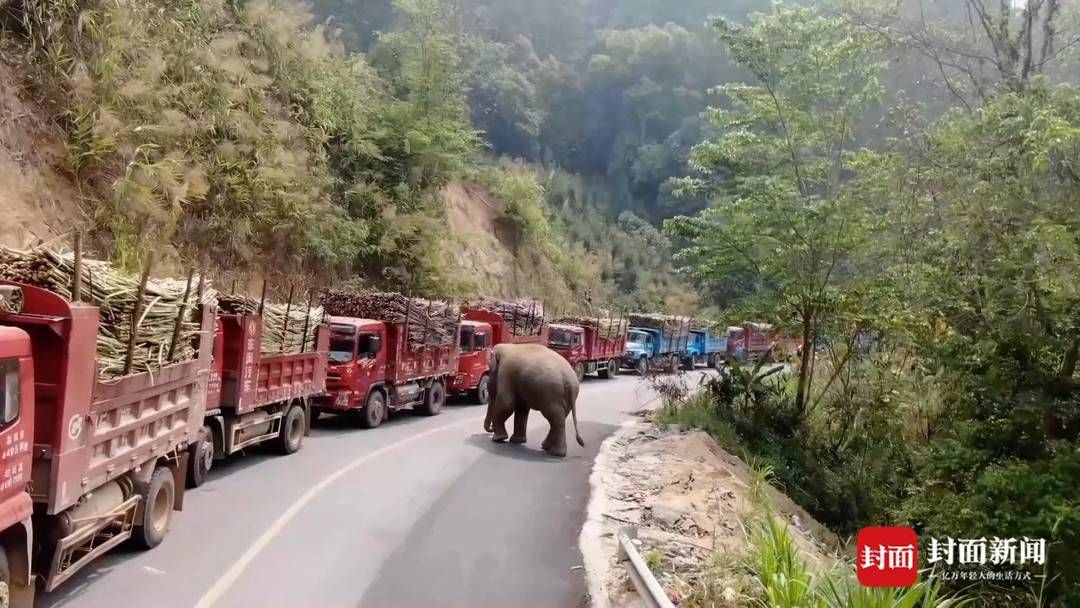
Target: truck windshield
[342, 349]
[637, 337]
[561, 338]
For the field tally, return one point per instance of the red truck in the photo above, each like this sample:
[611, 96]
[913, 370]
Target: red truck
[586, 350]
[97, 461]
[254, 396]
[753, 340]
[374, 370]
[481, 329]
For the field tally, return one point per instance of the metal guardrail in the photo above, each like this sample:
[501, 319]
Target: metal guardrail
[652, 594]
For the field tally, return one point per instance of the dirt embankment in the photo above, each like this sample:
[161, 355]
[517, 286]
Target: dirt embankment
[687, 498]
[490, 259]
[37, 201]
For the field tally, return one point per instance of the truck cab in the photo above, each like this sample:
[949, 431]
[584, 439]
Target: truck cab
[474, 351]
[696, 349]
[569, 341]
[374, 370]
[357, 362]
[642, 345]
[706, 348]
[16, 437]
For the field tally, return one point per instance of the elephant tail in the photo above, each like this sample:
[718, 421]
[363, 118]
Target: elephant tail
[571, 395]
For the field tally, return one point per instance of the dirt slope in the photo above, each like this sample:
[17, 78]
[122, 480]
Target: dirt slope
[488, 260]
[37, 201]
[687, 498]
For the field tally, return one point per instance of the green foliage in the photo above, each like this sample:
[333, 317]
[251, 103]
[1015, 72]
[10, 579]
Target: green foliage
[786, 218]
[245, 132]
[943, 392]
[787, 581]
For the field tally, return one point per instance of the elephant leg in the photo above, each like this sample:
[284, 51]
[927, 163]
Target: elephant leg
[521, 423]
[555, 442]
[501, 414]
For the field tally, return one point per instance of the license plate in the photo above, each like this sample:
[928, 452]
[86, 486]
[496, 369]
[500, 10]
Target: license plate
[342, 400]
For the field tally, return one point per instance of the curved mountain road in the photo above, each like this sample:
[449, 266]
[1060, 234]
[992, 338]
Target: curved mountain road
[419, 512]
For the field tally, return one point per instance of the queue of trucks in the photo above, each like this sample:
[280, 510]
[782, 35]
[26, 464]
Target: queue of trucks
[88, 463]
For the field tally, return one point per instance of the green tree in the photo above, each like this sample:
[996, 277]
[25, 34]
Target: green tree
[784, 212]
[421, 59]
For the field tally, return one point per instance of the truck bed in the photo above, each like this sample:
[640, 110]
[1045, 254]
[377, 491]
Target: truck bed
[251, 379]
[404, 364]
[598, 348]
[87, 431]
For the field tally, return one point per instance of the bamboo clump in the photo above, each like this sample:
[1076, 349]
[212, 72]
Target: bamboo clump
[526, 317]
[430, 322]
[283, 324]
[114, 293]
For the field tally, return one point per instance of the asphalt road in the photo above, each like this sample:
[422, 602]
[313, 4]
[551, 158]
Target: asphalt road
[418, 512]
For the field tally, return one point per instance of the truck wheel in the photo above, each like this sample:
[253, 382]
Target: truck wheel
[483, 390]
[293, 426]
[374, 412]
[643, 366]
[673, 364]
[579, 371]
[157, 509]
[605, 370]
[201, 459]
[5, 580]
[434, 400]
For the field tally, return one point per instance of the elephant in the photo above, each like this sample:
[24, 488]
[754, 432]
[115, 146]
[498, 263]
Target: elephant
[531, 377]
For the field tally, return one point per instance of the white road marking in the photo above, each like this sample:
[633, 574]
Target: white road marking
[222, 585]
[226, 581]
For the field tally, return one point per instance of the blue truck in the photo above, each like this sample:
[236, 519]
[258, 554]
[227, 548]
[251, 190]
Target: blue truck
[653, 349]
[705, 348]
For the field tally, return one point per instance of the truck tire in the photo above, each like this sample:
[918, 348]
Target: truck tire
[688, 364]
[434, 400]
[605, 372]
[673, 364]
[201, 459]
[374, 412]
[157, 509]
[642, 366]
[579, 371]
[5, 579]
[293, 426]
[483, 390]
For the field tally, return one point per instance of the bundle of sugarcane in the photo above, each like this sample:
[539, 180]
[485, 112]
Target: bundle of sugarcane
[115, 293]
[283, 324]
[430, 322]
[717, 328]
[669, 325]
[526, 317]
[11, 299]
[607, 327]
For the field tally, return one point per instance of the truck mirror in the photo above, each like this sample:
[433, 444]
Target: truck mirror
[370, 346]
